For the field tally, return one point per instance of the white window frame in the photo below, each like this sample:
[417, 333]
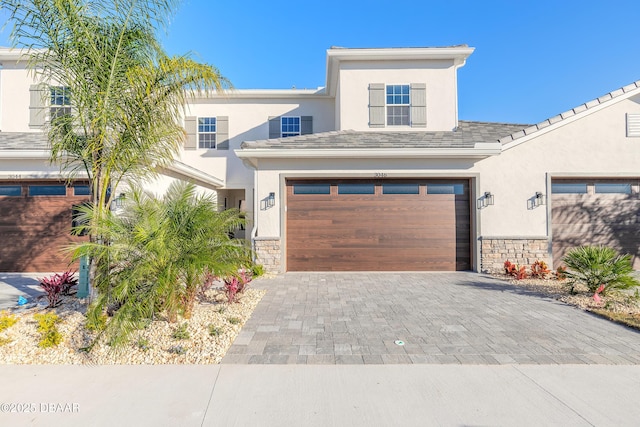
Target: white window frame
[287, 134]
[387, 105]
[204, 130]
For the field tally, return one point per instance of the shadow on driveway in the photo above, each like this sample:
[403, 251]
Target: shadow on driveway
[14, 285]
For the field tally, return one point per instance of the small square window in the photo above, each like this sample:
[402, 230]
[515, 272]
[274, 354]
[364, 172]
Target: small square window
[613, 188]
[10, 190]
[207, 132]
[569, 188]
[356, 188]
[315, 188]
[445, 189]
[399, 188]
[47, 190]
[289, 126]
[81, 190]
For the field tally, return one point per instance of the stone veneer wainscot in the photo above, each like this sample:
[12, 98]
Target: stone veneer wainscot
[494, 251]
[268, 253]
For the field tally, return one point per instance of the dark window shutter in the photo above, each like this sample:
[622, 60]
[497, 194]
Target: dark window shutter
[222, 132]
[418, 105]
[377, 114]
[274, 127]
[191, 126]
[37, 105]
[306, 125]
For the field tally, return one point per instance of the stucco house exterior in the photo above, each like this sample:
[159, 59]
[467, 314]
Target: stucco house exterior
[374, 170]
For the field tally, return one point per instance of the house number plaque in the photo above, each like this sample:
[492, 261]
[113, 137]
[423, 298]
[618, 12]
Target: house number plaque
[380, 175]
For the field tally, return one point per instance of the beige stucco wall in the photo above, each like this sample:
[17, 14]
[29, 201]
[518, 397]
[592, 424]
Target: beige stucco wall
[438, 75]
[28, 169]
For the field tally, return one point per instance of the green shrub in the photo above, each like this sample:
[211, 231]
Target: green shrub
[181, 333]
[257, 270]
[50, 336]
[599, 265]
[6, 320]
[4, 341]
[214, 331]
[97, 323]
[234, 320]
[143, 344]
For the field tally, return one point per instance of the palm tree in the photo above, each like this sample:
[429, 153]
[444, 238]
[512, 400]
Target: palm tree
[127, 94]
[159, 251]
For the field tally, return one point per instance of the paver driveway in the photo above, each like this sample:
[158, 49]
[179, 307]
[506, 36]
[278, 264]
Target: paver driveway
[460, 318]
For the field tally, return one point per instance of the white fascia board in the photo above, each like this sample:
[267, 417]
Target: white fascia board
[36, 175]
[263, 94]
[25, 154]
[334, 55]
[481, 151]
[182, 170]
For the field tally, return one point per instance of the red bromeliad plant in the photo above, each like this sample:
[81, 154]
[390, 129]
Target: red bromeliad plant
[518, 272]
[58, 284]
[235, 285]
[539, 270]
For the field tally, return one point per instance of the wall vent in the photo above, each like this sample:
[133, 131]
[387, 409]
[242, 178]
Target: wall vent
[633, 125]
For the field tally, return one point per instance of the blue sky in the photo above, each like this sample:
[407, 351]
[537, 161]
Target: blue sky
[533, 59]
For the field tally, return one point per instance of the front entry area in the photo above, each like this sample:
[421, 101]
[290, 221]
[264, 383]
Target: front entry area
[378, 225]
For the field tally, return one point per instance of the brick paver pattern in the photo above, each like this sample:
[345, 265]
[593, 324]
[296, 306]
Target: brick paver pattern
[442, 318]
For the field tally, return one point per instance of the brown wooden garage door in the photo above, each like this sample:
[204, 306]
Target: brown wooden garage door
[35, 224]
[381, 225]
[596, 212]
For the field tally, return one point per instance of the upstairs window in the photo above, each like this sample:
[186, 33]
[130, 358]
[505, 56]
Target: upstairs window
[398, 105]
[60, 102]
[289, 126]
[207, 132]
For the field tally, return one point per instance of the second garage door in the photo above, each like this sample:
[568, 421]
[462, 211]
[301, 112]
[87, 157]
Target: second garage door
[596, 212]
[378, 225]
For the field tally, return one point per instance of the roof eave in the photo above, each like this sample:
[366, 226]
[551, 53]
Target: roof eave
[24, 154]
[480, 150]
[182, 171]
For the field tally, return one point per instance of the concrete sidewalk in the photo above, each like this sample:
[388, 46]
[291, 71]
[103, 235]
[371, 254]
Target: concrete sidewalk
[298, 395]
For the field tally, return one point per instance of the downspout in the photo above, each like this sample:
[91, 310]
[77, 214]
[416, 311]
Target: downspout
[254, 229]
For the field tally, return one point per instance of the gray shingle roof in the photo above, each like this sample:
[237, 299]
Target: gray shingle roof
[23, 141]
[465, 136]
[579, 109]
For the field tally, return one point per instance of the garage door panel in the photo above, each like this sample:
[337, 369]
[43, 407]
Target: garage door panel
[38, 229]
[378, 231]
[596, 219]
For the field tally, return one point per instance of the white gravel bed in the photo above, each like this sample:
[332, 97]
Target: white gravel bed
[620, 302]
[152, 345]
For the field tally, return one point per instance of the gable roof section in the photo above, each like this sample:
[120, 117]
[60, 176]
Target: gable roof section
[583, 109]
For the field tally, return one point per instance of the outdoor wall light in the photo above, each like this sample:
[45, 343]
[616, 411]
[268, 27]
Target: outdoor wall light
[118, 202]
[271, 200]
[487, 199]
[540, 199]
